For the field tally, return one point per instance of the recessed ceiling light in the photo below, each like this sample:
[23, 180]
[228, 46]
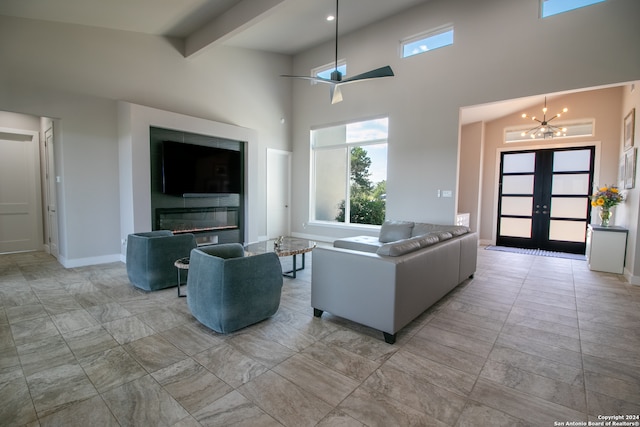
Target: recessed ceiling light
[330, 18]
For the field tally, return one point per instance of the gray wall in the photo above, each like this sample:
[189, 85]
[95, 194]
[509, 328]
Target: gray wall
[76, 75]
[502, 50]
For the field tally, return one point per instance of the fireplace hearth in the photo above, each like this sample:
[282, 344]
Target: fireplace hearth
[209, 224]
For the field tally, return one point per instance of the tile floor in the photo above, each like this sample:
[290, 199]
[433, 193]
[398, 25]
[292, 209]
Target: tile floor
[529, 341]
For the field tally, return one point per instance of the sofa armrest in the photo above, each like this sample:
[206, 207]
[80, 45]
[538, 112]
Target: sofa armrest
[359, 286]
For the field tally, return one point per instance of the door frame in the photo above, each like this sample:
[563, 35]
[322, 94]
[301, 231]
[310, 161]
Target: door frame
[49, 194]
[288, 155]
[552, 145]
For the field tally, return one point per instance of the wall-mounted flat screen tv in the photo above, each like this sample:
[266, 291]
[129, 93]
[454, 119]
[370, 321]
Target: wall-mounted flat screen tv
[198, 169]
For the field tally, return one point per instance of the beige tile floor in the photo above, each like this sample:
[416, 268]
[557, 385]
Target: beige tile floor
[529, 341]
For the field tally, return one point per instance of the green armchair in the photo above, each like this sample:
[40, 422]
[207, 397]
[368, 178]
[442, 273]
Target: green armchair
[227, 291]
[151, 257]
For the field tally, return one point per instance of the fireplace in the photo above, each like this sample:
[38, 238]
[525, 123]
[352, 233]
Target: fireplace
[209, 224]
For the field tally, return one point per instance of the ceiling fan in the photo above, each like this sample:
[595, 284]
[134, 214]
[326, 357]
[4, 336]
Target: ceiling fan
[336, 79]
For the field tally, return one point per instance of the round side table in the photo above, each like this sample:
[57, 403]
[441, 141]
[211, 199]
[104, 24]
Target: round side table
[181, 264]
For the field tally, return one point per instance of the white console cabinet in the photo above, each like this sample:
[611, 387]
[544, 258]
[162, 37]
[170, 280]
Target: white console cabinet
[606, 248]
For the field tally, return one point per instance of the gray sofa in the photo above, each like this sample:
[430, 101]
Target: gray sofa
[388, 281]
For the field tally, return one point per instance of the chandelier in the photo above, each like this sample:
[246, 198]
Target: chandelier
[544, 129]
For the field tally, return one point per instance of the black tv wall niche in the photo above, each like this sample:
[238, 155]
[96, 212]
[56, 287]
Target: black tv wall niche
[215, 181]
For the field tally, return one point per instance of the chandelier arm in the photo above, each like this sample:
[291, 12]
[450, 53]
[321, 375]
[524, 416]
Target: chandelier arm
[534, 130]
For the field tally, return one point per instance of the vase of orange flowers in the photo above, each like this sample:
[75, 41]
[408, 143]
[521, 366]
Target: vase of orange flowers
[606, 198]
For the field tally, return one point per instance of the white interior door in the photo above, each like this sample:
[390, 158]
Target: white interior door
[51, 198]
[278, 193]
[19, 192]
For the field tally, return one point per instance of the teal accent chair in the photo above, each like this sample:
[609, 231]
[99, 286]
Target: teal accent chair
[151, 257]
[227, 291]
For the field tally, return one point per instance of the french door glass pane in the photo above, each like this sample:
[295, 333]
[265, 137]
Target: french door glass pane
[562, 207]
[330, 182]
[519, 162]
[517, 184]
[515, 227]
[517, 206]
[571, 160]
[567, 231]
[570, 184]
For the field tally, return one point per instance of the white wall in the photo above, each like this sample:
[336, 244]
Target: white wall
[471, 168]
[76, 74]
[502, 51]
[628, 213]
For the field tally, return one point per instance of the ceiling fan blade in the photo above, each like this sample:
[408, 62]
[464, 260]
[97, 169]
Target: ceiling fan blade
[313, 79]
[385, 71]
[336, 94]
[336, 76]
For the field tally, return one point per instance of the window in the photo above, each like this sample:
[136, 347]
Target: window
[569, 130]
[554, 7]
[325, 71]
[349, 165]
[426, 42]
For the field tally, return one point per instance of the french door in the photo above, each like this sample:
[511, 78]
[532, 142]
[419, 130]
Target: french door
[543, 199]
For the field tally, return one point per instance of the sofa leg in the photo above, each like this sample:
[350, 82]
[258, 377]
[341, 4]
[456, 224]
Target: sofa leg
[317, 313]
[389, 338]
[471, 277]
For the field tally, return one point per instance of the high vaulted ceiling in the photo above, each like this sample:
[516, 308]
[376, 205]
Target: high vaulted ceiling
[280, 26]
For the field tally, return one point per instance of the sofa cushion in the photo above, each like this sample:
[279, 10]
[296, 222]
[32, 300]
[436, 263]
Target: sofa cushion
[426, 240]
[458, 230]
[442, 235]
[359, 243]
[398, 248]
[391, 231]
[421, 228]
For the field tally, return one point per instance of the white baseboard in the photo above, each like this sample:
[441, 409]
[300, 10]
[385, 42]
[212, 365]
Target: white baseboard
[634, 280]
[83, 262]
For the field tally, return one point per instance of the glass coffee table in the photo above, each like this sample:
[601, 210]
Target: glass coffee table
[289, 246]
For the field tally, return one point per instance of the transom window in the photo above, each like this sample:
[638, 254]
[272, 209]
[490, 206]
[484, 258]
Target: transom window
[569, 129]
[349, 172]
[554, 7]
[324, 71]
[426, 42]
